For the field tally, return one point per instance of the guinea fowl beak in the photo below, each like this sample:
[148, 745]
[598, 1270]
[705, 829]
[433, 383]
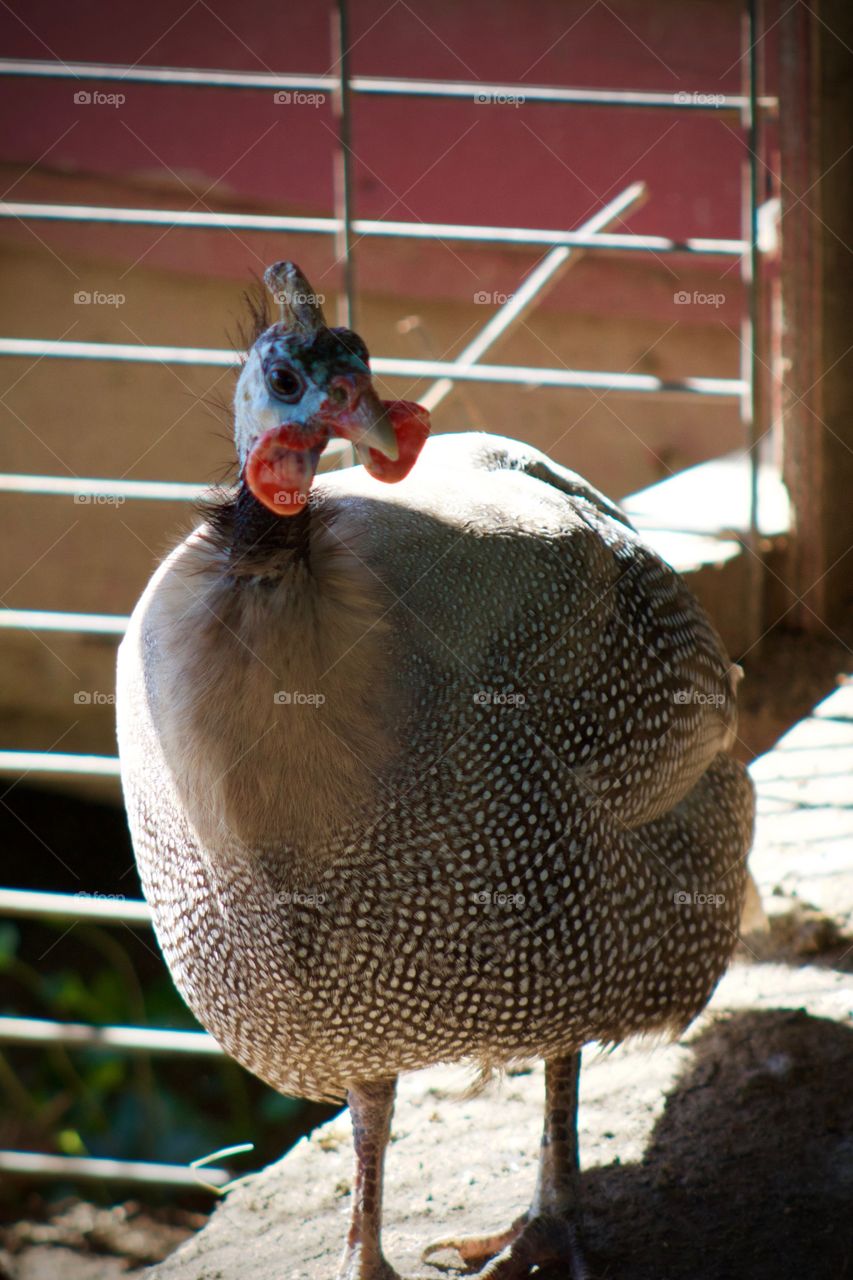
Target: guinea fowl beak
[361, 417]
[387, 435]
[410, 424]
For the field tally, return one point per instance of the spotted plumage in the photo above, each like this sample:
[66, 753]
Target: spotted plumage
[509, 879]
[432, 771]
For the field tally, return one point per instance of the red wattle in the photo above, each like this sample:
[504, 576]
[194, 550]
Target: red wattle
[411, 426]
[281, 465]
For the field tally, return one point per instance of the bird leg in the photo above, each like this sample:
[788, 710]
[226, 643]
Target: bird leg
[550, 1230]
[370, 1107]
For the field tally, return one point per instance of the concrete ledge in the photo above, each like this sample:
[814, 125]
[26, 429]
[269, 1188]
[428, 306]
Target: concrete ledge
[803, 854]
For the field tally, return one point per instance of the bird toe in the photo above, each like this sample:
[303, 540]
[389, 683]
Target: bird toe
[530, 1243]
[475, 1251]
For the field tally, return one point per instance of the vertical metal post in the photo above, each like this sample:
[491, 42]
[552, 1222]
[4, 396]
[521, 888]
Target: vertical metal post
[343, 163]
[754, 409]
[755, 317]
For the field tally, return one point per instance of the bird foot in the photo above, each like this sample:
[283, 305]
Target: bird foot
[511, 1255]
[475, 1251]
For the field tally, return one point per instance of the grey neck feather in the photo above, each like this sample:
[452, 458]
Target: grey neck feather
[258, 543]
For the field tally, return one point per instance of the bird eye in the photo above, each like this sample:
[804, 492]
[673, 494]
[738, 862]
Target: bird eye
[284, 383]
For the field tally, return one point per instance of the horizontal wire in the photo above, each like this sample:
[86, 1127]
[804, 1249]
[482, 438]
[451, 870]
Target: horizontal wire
[81, 1035]
[629, 243]
[36, 1164]
[475, 90]
[583, 379]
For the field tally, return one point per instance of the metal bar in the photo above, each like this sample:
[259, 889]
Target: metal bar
[696, 245]
[134, 352]
[591, 379]
[32, 1164]
[474, 90]
[752, 322]
[79, 1035]
[112, 624]
[82, 488]
[32, 904]
[98, 489]
[58, 762]
[755, 318]
[586, 379]
[166, 217]
[343, 163]
[531, 288]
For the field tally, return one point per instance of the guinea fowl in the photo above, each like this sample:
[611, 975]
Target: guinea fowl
[425, 771]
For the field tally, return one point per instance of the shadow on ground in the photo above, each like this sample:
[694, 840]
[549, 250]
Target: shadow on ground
[749, 1171]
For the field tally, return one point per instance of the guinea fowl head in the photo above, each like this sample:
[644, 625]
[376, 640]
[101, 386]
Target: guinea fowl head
[303, 383]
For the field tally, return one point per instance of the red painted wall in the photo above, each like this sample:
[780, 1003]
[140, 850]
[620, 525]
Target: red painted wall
[532, 165]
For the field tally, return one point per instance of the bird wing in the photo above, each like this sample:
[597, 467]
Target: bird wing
[501, 453]
[523, 583]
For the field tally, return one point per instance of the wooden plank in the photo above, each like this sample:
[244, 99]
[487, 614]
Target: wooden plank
[815, 133]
